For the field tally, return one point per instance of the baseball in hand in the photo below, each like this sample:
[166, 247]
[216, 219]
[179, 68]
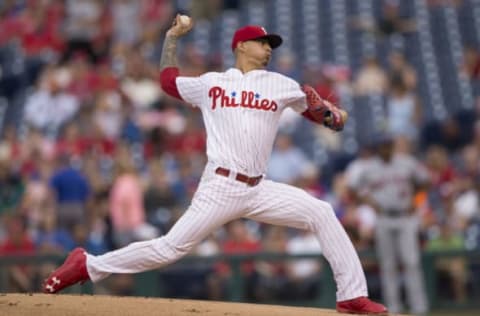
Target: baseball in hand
[343, 114]
[184, 20]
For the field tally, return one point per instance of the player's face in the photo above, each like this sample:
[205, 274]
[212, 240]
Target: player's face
[259, 51]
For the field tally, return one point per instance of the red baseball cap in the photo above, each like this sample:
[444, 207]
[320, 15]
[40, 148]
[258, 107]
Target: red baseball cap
[253, 32]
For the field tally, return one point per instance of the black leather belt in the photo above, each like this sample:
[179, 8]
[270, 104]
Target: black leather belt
[395, 213]
[250, 181]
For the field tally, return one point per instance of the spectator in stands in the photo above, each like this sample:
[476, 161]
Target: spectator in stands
[285, 63]
[138, 84]
[389, 23]
[159, 199]
[187, 176]
[71, 190]
[404, 111]
[309, 180]
[194, 60]
[355, 215]
[354, 169]
[82, 237]
[469, 163]
[37, 202]
[325, 86]
[11, 187]
[449, 133]
[303, 274]
[18, 242]
[443, 173]
[452, 133]
[108, 114]
[370, 264]
[41, 40]
[36, 152]
[210, 246]
[401, 70]
[454, 267]
[126, 21]
[103, 79]
[371, 79]
[287, 163]
[271, 275]
[10, 144]
[52, 239]
[126, 204]
[83, 29]
[101, 146]
[157, 13]
[97, 169]
[238, 241]
[470, 68]
[51, 106]
[466, 201]
[71, 142]
[476, 133]
[101, 231]
[443, 177]
[82, 83]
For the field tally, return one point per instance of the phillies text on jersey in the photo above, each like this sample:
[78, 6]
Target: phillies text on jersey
[241, 114]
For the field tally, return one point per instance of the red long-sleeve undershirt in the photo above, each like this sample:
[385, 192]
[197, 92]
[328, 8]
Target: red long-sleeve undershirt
[168, 83]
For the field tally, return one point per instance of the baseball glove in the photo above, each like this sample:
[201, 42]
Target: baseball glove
[323, 111]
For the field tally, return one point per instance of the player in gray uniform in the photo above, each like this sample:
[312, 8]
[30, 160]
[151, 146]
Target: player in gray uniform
[388, 182]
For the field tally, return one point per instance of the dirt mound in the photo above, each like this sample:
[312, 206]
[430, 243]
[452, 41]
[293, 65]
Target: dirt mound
[99, 305]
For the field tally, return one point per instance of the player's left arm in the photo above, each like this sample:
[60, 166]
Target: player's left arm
[322, 111]
[420, 176]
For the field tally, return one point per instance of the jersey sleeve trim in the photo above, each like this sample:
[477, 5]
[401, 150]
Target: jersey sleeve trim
[168, 77]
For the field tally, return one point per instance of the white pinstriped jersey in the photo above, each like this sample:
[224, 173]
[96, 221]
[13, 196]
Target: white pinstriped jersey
[241, 114]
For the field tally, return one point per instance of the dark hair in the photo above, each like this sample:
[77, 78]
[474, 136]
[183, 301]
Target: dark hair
[397, 83]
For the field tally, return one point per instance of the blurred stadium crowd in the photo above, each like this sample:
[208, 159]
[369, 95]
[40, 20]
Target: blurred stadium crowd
[93, 153]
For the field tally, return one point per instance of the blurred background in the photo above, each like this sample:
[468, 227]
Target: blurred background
[93, 153]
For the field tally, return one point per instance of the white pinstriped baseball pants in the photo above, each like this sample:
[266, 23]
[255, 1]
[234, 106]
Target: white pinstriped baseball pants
[219, 200]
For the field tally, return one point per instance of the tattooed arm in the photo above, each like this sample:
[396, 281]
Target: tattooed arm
[168, 63]
[169, 51]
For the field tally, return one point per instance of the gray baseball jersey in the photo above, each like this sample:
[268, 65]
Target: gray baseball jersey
[390, 184]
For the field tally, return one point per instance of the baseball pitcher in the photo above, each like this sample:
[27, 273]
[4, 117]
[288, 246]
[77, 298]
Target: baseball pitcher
[241, 108]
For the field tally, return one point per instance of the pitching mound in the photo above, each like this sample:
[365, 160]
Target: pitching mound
[82, 305]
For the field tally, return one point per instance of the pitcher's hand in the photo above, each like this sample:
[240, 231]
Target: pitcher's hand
[178, 28]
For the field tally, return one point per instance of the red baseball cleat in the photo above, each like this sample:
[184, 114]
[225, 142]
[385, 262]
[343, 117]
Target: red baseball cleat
[72, 271]
[361, 305]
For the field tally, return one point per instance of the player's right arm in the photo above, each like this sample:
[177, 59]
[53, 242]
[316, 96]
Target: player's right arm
[168, 63]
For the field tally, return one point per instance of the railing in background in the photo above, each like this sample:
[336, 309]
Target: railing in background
[148, 284]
